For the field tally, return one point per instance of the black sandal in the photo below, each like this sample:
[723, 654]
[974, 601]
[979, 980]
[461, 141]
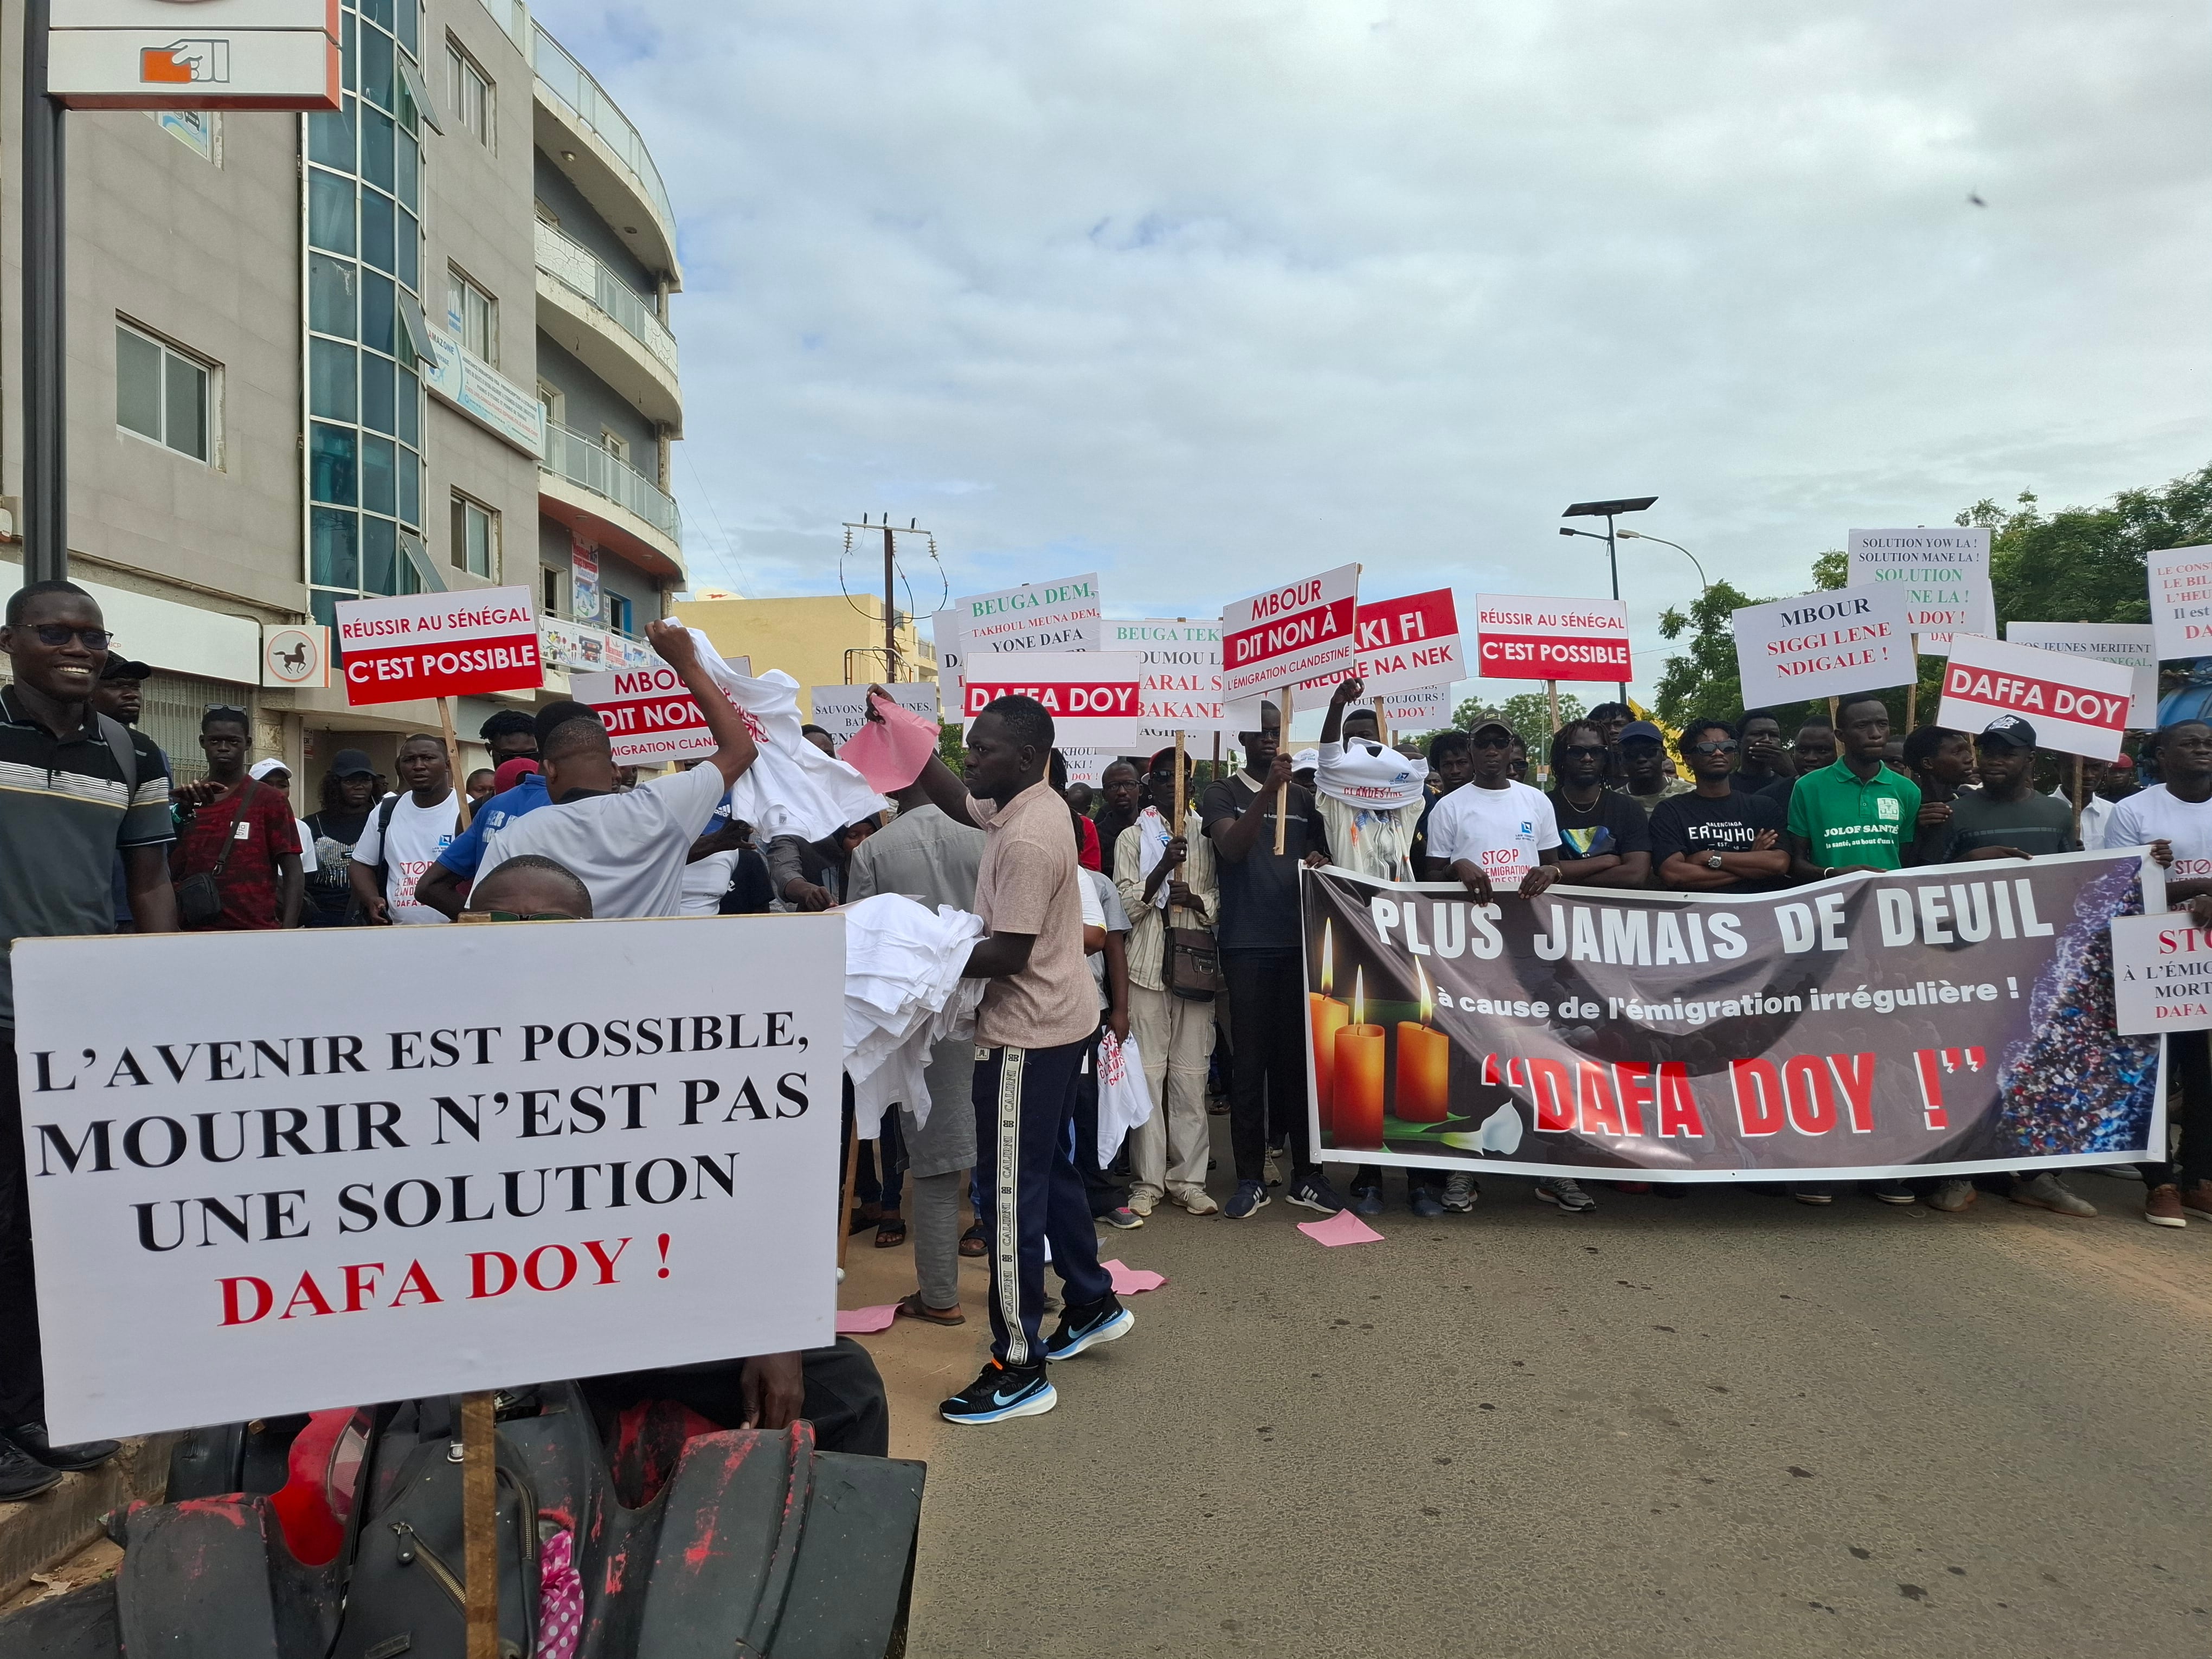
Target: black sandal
[971, 1241]
[890, 1231]
[913, 1307]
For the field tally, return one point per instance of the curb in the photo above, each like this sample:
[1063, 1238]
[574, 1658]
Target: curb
[55, 1525]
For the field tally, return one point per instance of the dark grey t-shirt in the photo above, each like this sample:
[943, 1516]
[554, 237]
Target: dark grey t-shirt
[1260, 895]
[2036, 824]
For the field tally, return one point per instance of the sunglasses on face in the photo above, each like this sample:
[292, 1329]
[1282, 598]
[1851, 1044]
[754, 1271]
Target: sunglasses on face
[1491, 743]
[60, 634]
[1582, 751]
[1723, 748]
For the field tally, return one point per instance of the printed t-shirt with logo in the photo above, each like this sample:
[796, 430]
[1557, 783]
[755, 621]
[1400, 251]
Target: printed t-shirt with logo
[417, 835]
[1694, 825]
[2157, 814]
[1850, 820]
[1613, 824]
[1503, 831]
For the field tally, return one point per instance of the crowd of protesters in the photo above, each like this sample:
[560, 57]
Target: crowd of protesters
[1108, 915]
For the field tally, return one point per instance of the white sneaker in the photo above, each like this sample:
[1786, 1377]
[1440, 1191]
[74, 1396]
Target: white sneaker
[1197, 1200]
[1461, 1192]
[1143, 1199]
[1953, 1196]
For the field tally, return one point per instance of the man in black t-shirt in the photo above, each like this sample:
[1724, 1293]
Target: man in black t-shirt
[1605, 841]
[1717, 839]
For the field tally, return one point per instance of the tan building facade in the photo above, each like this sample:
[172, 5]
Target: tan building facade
[420, 344]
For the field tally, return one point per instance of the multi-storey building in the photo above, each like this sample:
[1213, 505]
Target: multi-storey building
[421, 343]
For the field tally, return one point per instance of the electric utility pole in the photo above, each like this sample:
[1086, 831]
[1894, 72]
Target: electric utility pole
[890, 534]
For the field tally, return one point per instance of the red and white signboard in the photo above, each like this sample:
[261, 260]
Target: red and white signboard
[1096, 698]
[438, 645]
[2162, 974]
[842, 710]
[1823, 645]
[1182, 675]
[1521, 638]
[650, 718]
[2132, 645]
[2181, 601]
[2077, 705]
[1404, 645]
[1299, 631]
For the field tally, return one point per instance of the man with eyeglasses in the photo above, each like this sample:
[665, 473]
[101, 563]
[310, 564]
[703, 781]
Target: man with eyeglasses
[1717, 839]
[82, 788]
[242, 836]
[1606, 838]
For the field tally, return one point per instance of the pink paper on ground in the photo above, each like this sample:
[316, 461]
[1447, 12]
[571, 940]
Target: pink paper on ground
[859, 1321]
[1342, 1228]
[890, 753]
[1128, 1280]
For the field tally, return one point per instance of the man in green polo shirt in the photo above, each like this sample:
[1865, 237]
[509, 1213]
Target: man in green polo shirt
[1858, 814]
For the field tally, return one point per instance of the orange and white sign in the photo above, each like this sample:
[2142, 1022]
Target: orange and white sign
[438, 645]
[206, 54]
[1519, 638]
[296, 655]
[2077, 705]
[1096, 698]
[1302, 630]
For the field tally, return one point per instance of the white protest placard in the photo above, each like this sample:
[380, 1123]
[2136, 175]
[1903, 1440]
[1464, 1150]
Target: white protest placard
[843, 709]
[2162, 974]
[1182, 674]
[2181, 601]
[1088, 765]
[505, 1152]
[1944, 573]
[1418, 706]
[2134, 646]
[1301, 630]
[1828, 644]
[1518, 637]
[650, 718]
[1096, 698]
[1058, 616]
[2077, 705]
[944, 636]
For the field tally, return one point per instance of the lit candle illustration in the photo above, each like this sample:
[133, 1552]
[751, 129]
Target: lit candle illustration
[1328, 1017]
[1358, 1084]
[1424, 1064]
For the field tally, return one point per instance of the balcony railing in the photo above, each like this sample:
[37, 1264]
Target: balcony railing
[583, 461]
[572, 84]
[576, 267]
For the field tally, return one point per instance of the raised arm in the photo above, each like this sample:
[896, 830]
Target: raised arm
[947, 793]
[734, 751]
[1233, 838]
[1332, 726]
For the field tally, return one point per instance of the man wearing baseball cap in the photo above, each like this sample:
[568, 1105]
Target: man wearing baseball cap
[2006, 817]
[1643, 766]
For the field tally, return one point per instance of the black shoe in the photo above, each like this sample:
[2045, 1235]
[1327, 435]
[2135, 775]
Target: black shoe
[31, 1439]
[23, 1475]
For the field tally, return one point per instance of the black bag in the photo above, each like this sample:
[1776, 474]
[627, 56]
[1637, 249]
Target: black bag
[1193, 964]
[199, 897]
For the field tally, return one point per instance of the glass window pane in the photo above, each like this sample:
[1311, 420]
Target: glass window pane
[345, 50]
[330, 300]
[380, 555]
[376, 393]
[377, 11]
[376, 147]
[479, 541]
[329, 137]
[137, 385]
[410, 250]
[336, 561]
[376, 67]
[187, 388]
[376, 316]
[409, 171]
[408, 13]
[330, 212]
[330, 375]
[324, 608]
[407, 404]
[376, 229]
[377, 491]
[330, 465]
[411, 487]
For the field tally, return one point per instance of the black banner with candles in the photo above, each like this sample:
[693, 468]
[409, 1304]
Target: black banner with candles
[1937, 1021]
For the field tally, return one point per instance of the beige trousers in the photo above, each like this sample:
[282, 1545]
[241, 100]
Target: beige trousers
[1169, 1151]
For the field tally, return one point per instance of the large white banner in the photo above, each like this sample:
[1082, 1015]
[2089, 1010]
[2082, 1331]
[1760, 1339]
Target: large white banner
[1944, 573]
[2181, 601]
[323, 1168]
[2077, 705]
[1056, 616]
[2134, 646]
[1828, 644]
[1182, 674]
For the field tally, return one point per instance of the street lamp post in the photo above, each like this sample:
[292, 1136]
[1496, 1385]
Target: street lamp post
[1607, 510]
[1703, 581]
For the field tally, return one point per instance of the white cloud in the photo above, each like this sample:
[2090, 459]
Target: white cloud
[1206, 297]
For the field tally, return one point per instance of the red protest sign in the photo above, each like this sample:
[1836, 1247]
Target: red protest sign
[1096, 698]
[2077, 705]
[438, 645]
[648, 714]
[1400, 645]
[1291, 633]
[1518, 638]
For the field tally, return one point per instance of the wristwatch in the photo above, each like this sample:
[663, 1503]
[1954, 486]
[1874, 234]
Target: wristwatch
[1714, 861]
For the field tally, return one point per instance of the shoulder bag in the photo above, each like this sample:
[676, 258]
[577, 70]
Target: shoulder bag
[199, 897]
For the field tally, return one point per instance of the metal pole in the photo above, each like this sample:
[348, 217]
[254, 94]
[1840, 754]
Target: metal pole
[1612, 562]
[45, 458]
[890, 611]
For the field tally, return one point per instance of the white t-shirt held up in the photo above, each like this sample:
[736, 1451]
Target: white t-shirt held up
[628, 849]
[1503, 831]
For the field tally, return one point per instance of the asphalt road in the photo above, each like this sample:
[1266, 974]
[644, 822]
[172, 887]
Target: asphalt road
[1720, 1424]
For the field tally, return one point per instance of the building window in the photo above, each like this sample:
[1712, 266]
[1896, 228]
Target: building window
[469, 90]
[615, 445]
[472, 316]
[616, 613]
[552, 591]
[162, 395]
[475, 537]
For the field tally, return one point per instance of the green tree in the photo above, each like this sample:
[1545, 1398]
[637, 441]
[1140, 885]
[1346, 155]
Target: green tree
[1527, 716]
[1700, 682]
[2086, 563]
[1832, 568]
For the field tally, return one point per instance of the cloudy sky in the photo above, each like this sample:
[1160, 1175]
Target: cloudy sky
[1203, 296]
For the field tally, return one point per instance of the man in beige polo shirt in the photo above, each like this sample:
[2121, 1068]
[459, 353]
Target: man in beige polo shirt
[1037, 1017]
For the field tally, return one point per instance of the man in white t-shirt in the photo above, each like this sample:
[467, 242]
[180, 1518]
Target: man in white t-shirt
[629, 847]
[2174, 820]
[404, 834]
[1495, 833]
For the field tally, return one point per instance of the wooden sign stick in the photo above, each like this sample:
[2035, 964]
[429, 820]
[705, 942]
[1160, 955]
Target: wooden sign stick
[480, 1524]
[1283, 801]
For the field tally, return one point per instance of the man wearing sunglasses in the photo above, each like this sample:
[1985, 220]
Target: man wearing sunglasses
[1495, 833]
[1717, 839]
[1606, 839]
[83, 789]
